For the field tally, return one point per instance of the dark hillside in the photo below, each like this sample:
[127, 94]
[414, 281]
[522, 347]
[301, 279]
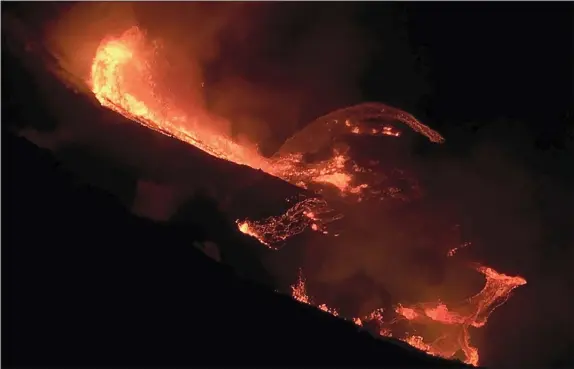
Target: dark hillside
[86, 283]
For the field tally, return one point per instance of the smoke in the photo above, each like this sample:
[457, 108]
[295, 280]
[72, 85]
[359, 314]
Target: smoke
[267, 68]
[270, 68]
[511, 200]
[514, 202]
[76, 31]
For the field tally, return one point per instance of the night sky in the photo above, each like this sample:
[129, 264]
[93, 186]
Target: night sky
[494, 78]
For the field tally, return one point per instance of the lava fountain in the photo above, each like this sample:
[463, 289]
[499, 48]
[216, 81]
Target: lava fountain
[122, 80]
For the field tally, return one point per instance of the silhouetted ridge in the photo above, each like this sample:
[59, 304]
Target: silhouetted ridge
[86, 283]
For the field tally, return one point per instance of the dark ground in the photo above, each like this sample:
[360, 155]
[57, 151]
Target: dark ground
[494, 78]
[85, 283]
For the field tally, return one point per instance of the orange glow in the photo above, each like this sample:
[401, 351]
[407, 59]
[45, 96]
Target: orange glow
[311, 213]
[454, 325]
[299, 293]
[385, 130]
[122, 80]
[454, 250]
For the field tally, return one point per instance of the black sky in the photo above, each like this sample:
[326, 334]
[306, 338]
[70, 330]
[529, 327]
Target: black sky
[494, 78]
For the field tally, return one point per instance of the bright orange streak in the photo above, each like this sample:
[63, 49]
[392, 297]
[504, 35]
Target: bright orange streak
[121, 79]
[299, 293]
[118, 59]
[455, 324]
[273, 231]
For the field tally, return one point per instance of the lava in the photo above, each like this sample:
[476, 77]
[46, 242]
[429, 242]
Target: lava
[453, 324]
[454, 250]
[311, 213]
[122, 80]
[299, 293]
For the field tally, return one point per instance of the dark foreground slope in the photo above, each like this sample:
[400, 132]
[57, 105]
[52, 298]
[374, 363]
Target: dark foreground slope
[86, 283]
[44, 103]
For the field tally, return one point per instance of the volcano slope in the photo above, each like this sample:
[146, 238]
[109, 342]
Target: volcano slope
[87, 283]
[91, 141]
[78, 129]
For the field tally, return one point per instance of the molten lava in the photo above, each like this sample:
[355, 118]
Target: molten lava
[311, 213]
[453, 324]
[299, 293]
[122, 80]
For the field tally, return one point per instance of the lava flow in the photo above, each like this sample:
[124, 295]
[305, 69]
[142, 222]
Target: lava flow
[122, 80]
[311, 213]
[453, 324]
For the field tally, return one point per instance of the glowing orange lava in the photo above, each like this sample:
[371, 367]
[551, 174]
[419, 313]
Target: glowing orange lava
[453, 324]
[299, 293]
[311, 213]
[122, 80]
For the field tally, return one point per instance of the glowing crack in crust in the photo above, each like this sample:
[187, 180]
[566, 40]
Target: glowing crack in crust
[311, 213]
